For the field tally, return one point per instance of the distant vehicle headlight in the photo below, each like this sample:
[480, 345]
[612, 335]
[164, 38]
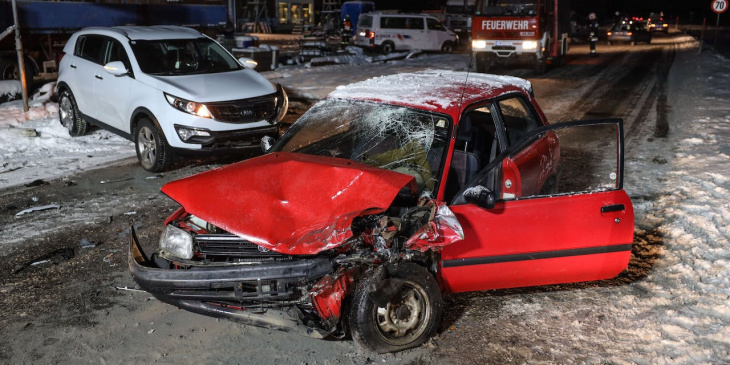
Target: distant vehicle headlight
[529, 45]
[189, 107]
[177, 242]
[477, 44]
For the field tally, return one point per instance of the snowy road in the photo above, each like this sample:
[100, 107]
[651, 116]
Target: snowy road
[671, 306]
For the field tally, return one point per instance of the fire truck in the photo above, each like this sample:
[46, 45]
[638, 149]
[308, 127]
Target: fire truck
[533, 32]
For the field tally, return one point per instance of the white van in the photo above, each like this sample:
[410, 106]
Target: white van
[394, 32]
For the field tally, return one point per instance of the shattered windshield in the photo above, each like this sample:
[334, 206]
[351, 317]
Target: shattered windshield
[507, 7]
[390, 137]
[182, 57]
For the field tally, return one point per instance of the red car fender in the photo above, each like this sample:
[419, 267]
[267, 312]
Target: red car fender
[327, 294]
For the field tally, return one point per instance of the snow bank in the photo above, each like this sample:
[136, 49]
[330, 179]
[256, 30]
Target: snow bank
[36, 146]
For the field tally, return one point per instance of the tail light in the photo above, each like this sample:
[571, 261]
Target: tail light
[609, 33]
[629, 33]
[59, 57]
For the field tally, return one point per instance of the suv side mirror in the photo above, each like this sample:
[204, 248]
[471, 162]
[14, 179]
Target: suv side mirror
[480, 196]
[116, 68]
[248, 63]
[267, 142]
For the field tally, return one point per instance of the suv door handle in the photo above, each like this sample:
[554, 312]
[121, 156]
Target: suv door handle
[73, 66]
[612, 208]
[99, 77]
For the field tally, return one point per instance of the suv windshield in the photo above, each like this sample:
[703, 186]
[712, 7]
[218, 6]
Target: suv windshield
[390, 137]
[507, 7]
[182, 56]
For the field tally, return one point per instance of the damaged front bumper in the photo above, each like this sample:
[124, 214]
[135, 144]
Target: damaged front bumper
[261, 294]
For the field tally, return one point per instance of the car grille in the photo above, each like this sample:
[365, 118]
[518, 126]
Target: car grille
[504, 34]
[231, 246]
[245, 110]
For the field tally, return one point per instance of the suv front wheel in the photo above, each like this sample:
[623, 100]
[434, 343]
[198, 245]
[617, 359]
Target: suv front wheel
[153, 152]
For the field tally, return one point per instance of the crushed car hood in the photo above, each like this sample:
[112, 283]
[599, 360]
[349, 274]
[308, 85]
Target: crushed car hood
[288, 202]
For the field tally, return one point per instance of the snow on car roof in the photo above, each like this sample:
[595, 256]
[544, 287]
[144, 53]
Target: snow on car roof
[437, 90]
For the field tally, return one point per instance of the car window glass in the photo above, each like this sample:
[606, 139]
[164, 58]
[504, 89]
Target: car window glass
[414, 23]
[434, 24]
[390, 137]
[390, 22]
[577, 159]
[365, 21]
[182, 57]
[92, 48]
[517, 117]
[475, 146]
[115, 52]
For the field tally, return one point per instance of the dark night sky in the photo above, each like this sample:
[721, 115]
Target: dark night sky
[685, 9]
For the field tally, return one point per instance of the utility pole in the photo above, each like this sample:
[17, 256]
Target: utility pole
[21, 61]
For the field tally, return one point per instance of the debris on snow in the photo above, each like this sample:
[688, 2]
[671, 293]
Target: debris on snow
[36, 209]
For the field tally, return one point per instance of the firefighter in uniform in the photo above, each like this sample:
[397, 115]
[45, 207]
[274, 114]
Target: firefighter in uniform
[593, 32]
[346, 31]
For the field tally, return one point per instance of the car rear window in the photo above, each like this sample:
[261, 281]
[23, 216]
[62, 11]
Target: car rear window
[365, 21]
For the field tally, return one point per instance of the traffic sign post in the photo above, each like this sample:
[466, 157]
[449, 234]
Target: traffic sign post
[719, 7]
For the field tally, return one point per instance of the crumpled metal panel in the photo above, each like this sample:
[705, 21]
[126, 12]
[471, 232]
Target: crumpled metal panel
[288, 202]
[443, 229]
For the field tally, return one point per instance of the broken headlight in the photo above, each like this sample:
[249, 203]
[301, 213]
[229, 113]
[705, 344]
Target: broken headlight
[177, 242]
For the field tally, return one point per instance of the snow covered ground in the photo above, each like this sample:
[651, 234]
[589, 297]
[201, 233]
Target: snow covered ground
[681, 191]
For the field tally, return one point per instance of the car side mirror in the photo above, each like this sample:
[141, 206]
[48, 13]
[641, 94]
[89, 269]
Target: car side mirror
[480, 196]
[248, 63]
[266, 143]
[116, 68]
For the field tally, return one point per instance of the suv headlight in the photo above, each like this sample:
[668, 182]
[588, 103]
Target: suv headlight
[189, 107]
[177, 242]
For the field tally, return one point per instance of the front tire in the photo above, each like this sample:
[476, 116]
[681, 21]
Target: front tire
[69, 115]
[153, 152]
[447, 47]
[406, 319]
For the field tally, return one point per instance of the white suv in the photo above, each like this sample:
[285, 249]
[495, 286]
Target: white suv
[169, 89]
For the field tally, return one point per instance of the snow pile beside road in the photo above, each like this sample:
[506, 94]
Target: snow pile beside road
[693, 274]
[36, 146]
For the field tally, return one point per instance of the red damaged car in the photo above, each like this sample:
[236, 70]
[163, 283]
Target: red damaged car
[388, 194]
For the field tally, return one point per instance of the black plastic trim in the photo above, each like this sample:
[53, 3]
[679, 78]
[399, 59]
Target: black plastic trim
[535, 255]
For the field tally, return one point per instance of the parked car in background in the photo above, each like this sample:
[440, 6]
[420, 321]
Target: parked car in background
[629, 32]
[396, 32]
[172, 90]
[385, 195]
[657, 23]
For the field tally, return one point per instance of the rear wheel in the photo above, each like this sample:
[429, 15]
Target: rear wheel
[69, 115]
[387, 47]
[153, 152]
[404, 318]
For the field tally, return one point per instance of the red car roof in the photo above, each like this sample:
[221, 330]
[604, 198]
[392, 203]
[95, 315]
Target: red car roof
[433, 90]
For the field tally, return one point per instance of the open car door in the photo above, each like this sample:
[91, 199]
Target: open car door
[550, 209]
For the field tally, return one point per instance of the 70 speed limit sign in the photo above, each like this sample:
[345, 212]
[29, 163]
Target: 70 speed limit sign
[719, 6]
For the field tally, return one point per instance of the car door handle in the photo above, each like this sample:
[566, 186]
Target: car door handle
[99, 77]
[73, 66]
[613, 208]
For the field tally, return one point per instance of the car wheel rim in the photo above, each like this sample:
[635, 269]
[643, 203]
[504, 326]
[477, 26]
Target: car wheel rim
[404, 318]
[147, 147]
[66, 113]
